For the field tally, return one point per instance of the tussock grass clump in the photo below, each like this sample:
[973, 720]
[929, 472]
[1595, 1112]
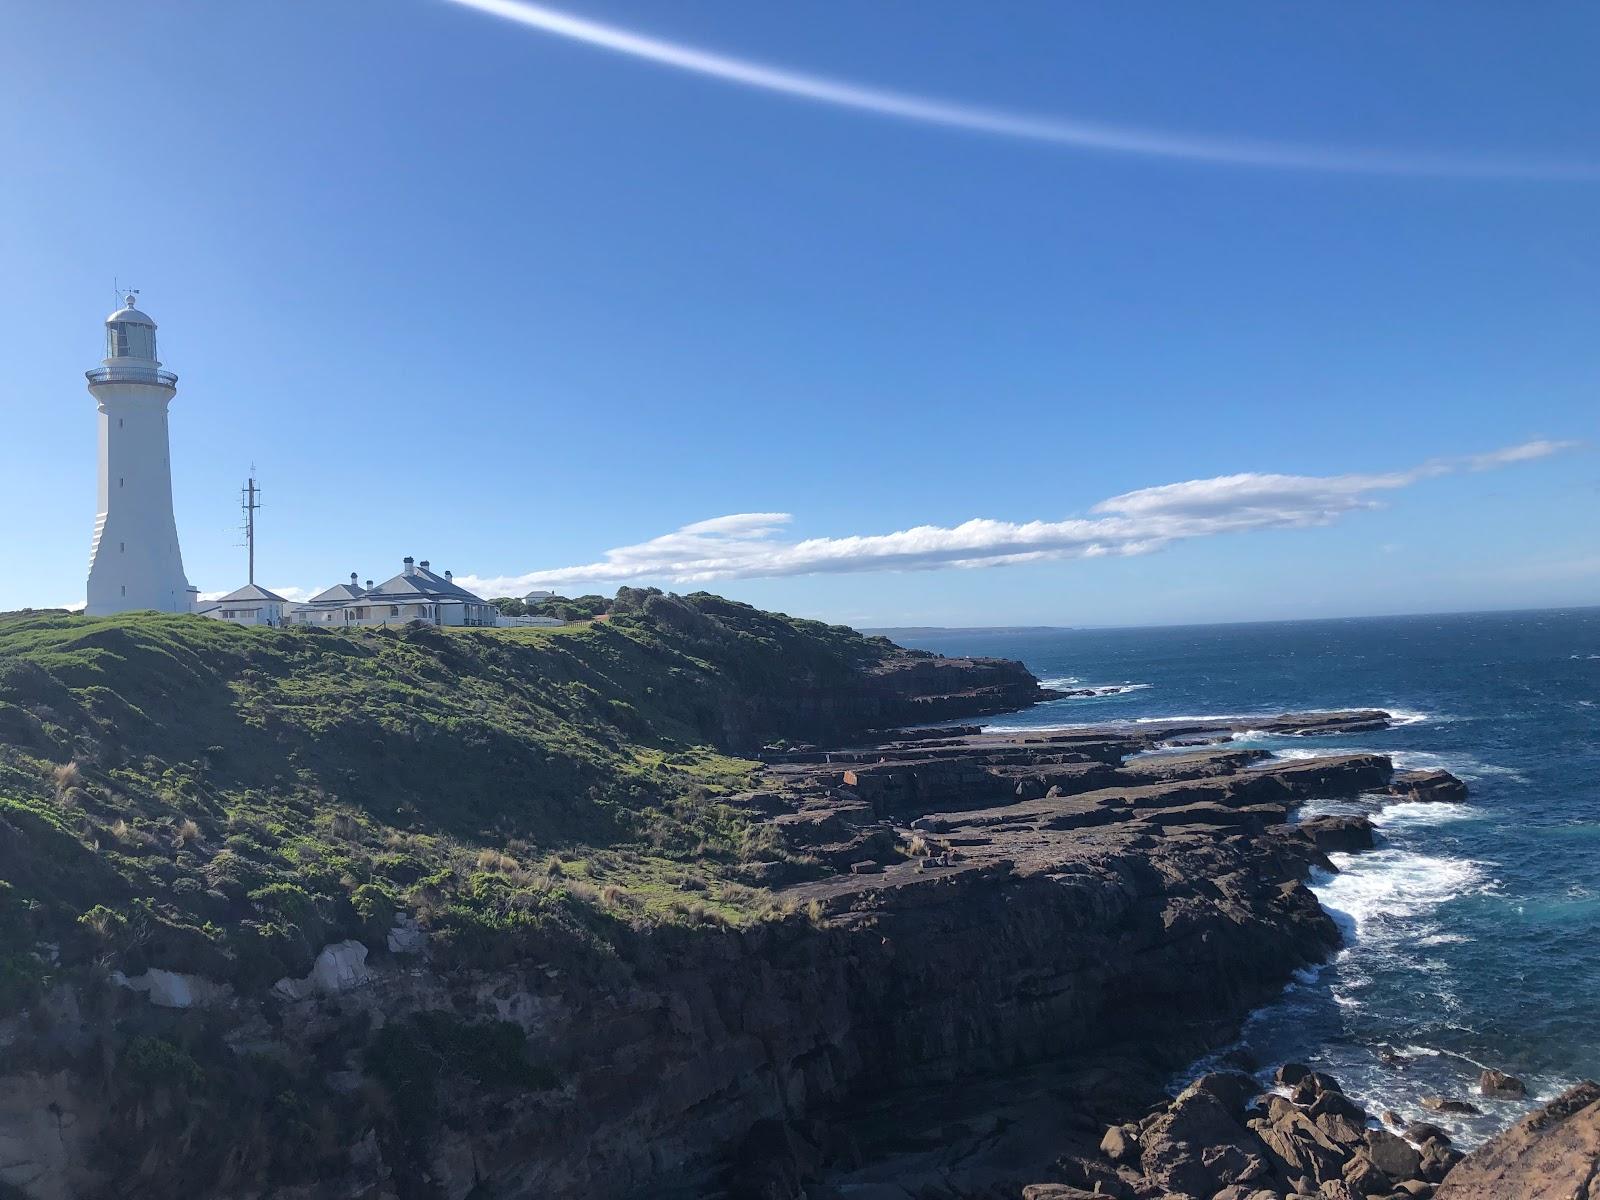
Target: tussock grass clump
[495, 860]
[67, 777]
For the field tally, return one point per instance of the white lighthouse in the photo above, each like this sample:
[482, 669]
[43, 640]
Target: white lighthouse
[135, 562]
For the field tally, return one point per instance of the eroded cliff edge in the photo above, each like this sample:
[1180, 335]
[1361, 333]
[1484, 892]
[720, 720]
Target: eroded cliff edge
[417, 914]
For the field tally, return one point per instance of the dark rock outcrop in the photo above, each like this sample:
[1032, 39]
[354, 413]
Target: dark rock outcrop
[1497, 1085]
[1433, 786]
[1443, 1104]
[1315, 1144]
[1335, 834]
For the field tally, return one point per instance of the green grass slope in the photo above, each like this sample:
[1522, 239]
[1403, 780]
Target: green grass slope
[183, 793]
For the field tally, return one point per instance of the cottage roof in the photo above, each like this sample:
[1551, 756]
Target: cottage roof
[251, 591]
[337, 594]
[421, 584]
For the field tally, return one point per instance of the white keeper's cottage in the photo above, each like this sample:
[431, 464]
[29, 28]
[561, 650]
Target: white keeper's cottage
[249, 605]
[416, 594]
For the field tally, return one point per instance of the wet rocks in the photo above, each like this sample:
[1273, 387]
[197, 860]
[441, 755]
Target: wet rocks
[1432, 786]
[1497, 1085]
[1315, 1144]
[1394, 1156]
[1339, 834]
[1441, 1104]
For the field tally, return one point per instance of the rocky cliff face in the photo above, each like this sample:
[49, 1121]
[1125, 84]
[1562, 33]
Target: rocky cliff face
[985, 904]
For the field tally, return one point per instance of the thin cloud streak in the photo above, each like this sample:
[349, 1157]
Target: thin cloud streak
[1064, 131]
[1538, 448]
[750, 546]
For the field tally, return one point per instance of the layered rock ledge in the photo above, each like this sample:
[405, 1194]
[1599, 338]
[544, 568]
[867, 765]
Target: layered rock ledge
[1044, 925]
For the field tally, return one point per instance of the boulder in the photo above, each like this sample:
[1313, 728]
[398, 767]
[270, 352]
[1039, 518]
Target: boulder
[1436, 786]
[1337, 1104]
[1279, 1107]
[1121, 1143]
[1312, 1085]
[1394, 1156]
[1499, 1086]
[339, 968]
[169, 989]
[1297, 1148]
[1421, 1131]
[1341, 1130]
[1233, 1088]
[1197, 1147]
[1437, 1159]
[1290, 1074]
[1361, 1174]
[1549, 1154]
[1443, 1105]
[1339, 834]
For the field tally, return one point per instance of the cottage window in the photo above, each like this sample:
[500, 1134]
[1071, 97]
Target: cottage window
[394, 610]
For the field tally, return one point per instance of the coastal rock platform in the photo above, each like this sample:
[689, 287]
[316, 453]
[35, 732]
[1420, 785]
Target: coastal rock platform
[1055, 919]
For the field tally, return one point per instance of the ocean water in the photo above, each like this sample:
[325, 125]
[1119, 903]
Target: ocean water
[1473, 930]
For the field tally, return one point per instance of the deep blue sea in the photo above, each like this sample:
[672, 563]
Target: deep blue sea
[1473, 930]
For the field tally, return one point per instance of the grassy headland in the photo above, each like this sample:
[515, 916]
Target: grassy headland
[184, 793]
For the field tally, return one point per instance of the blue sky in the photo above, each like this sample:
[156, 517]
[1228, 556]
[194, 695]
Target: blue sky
[466, 290]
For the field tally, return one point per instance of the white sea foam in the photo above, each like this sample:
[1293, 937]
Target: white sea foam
[1298, 755]
[1406, 716]
[1376, 891]
[1416, 814]
[1094, 689]
[1197, 718]
[1464, 765]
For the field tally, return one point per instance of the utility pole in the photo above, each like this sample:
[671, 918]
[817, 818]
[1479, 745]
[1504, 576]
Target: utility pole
[250, 500]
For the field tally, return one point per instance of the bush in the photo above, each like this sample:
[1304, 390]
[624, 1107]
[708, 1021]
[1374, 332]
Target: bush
[155, 1062]
[106, 924]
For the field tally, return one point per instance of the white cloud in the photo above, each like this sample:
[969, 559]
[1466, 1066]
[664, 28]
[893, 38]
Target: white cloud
[1527, 451]
[750, 545]
[1057, 130]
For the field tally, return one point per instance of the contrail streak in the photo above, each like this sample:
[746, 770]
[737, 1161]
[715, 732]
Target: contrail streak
[1062, 131]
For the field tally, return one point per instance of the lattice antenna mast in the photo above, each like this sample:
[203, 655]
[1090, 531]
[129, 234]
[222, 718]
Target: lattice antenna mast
[249, 501]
